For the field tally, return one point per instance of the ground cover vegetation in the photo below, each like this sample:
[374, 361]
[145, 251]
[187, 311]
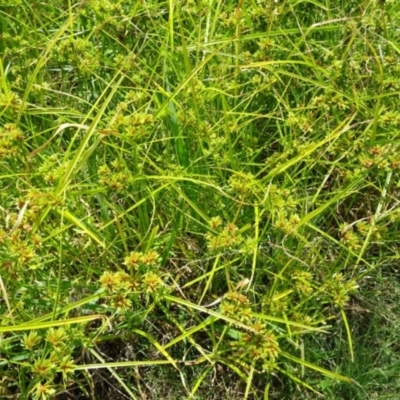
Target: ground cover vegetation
[199, 199]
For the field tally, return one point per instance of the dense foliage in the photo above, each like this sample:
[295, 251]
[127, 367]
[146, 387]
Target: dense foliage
[198, 198]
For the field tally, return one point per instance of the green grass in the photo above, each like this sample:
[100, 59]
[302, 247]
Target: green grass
[199, 199]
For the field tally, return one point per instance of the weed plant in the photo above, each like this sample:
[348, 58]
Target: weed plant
[199, 199]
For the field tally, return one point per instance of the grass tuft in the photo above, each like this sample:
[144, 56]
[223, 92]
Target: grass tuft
[199, 199]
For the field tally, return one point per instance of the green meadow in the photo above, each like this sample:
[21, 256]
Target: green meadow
[200, 199]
